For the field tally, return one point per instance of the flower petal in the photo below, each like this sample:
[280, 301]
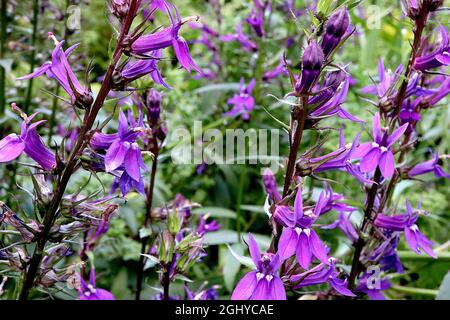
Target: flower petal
[288, 243]
[115, 155]
[370, 161]
[387, 164]
[11, 147]
[245, 287]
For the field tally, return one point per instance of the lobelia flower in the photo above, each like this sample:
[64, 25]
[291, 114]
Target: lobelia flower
[386, 253]
[204, 227]
[433, 165]
[256, 18]
[58, 68]
[270, 185]
[263, 283]
[344, 224]
[312, 62]
[409, 114]
[379, 153]
[298, 237]
[439, 57]
[373, 290]
[88, 291]
[29, 141]
[385, 89]
[331, 106]
[343, 161]
[335, 30]
[407, 223]
[239, 36]
[323, 273]
[139, 68]
[122, 151]
[243, 103]
[167, 37]
[276, 72]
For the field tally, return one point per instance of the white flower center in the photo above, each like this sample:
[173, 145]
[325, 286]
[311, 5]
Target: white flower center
[259, 276]
[269, 277]
[384, 149]
[375, 145]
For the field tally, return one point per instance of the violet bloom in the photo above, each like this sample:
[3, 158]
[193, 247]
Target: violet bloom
[122, 150]
[373, 290]
[270, 185]
[333, 106]
[343, 161]
[243, 103]
[29, 141]
[164, 38]
[88, 291]
[323, 273]
[386, 253]
[298, 236]
[439, 57]
[312, 62]
[407, 223]
[137, 69]
[385, 89]
[408, 114]
[256, 18]
[60, 70]
[204, 227]
[335, 30]
[344, 224]
[264, 282]
[379, 153]
[276, 72]
[433, 165]
[239, 36]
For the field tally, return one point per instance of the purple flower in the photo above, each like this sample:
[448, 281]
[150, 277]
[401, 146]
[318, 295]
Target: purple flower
[312, 62]
[263, 283]
[204, 227]
[243, 103]
[335, 30]
[408, 114]
[323, 273]
[60, 70]
[343, 161]
[433, 165]
[439, 57]
[379, 153]
[333, 105]
[344, 224]
[276, 72]
[407, 223]
[270, 185]
[239, 36]
[139, 68]
[385, 89]
[298, 236]
[165, 38]
[256, 18]
[373, 290]
[29, 141]
[386, 253]
[122, 150]
[88, 291]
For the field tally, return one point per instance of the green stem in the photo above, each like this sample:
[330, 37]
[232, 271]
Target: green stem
[27, 103]
[3, 23]
[418, 291]
[409, 255]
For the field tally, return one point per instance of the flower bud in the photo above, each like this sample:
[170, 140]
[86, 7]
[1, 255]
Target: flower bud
[270, 185]
[173, 222]
[119, 8]
[166, 247]
[153, 106]
[312, 62]
[335, 29]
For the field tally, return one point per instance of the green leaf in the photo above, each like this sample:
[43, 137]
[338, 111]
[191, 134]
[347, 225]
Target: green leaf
[216, 212]
[246, 261]
[231, 265]
[444, 289]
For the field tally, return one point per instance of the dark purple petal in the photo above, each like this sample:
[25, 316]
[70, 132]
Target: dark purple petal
[11, 147]
[370, 161]
[288, 243]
